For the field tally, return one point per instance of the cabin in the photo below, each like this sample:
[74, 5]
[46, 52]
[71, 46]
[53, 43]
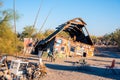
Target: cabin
[71, 48]
[79, 39]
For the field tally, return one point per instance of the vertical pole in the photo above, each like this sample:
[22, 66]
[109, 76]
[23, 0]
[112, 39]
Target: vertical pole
[15, 26]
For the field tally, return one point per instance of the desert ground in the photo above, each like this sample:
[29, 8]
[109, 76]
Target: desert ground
[64, 69]
[95, 68]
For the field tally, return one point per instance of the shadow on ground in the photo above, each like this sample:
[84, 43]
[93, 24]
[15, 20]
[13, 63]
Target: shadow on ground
[110, 52]
[103, 61]
[91, 70]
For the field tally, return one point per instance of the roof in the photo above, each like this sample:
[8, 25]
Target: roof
[75, 29]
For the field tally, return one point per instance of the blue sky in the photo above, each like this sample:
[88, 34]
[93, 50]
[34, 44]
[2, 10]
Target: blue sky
[101, 16]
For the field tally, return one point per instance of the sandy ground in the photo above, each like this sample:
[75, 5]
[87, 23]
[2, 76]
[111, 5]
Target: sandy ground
[65, 69]
[95, 70]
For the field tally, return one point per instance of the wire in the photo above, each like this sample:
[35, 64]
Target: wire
[37, 14]
[45, 21]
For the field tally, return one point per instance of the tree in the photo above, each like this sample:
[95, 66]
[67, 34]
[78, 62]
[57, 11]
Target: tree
[39, 35]
[48, 32]
[28, 32]
[94, 39]
[7, 35]
[116, 36]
